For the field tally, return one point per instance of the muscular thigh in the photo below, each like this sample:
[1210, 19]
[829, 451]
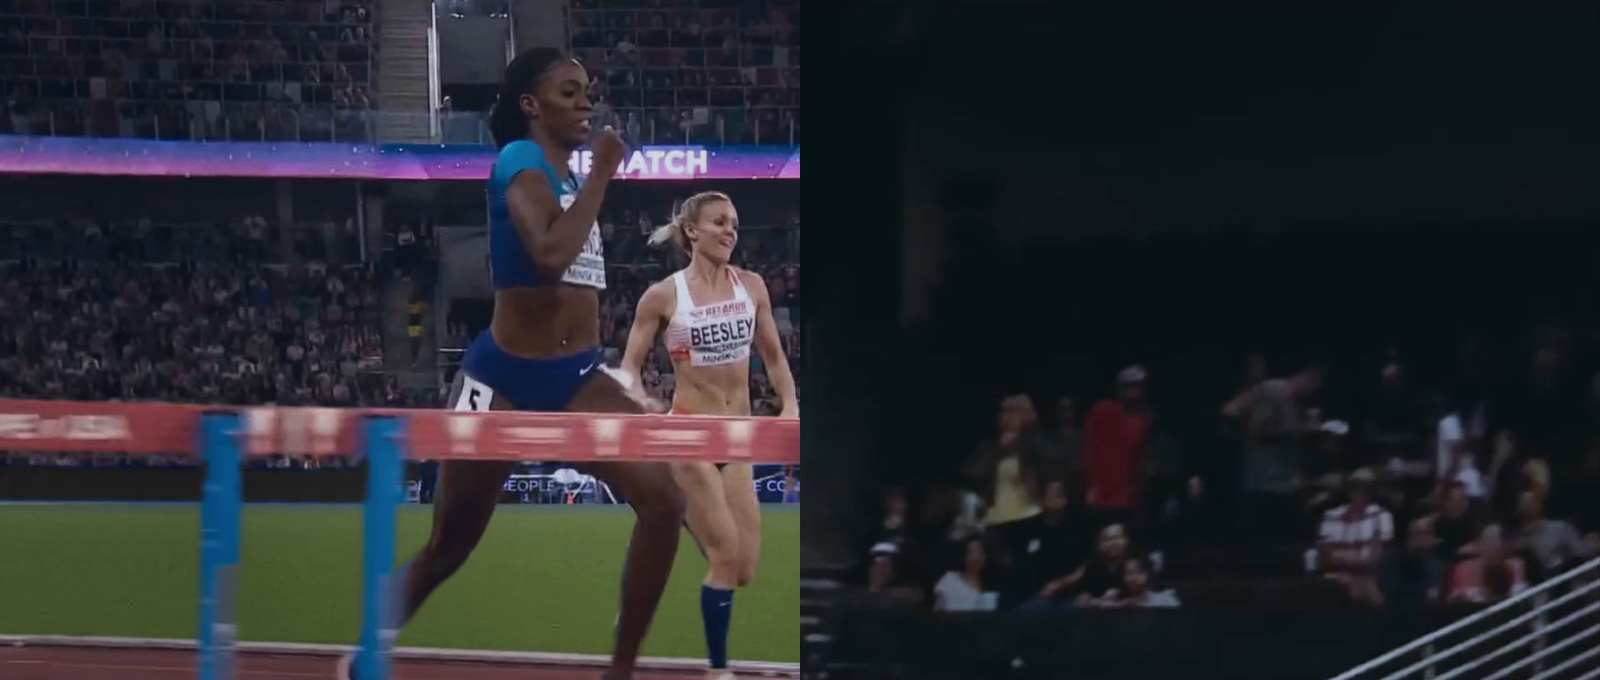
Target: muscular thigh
[708, 515]
[467, 491]
[644, 484]
[739, 492]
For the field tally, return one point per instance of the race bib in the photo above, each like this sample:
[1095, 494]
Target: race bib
[475, 396]
[590, 268]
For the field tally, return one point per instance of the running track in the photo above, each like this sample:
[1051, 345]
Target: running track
[45, 662]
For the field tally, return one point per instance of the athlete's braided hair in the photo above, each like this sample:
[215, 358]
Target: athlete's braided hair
[507, 122]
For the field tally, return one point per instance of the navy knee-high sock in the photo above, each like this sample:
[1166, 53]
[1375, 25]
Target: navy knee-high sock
[716, 607]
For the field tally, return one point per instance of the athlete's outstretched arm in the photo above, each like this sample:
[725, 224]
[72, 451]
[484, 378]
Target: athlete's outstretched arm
[771, 346]
[552, 236]
[647, 317]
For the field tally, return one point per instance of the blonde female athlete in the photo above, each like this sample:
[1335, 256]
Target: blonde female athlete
[712, 313]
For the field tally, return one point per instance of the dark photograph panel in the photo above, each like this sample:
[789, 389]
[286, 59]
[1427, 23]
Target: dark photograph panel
[1233, 343]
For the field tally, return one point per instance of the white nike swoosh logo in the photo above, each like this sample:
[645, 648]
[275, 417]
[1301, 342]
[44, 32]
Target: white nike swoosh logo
[586, 370]
[725, 604]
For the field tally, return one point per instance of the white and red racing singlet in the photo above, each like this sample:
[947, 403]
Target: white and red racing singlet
[714, 334]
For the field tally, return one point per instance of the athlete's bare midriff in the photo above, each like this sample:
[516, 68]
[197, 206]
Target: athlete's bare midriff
[546, 321]
[711, 390]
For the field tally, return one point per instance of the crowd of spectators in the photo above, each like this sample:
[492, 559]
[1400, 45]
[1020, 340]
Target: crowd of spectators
[188, 69]
[692, 71]
[146, 311]
[1465, 488]
[244, 238]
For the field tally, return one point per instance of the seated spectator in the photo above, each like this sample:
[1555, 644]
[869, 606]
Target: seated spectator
[1456, 524]
[1352, 538]
[965, 589]
[884, 589]
[1491, 574]
[1549, 545]
[1048, 547]
[1135, 590]
[894, 527]
[1103, 571]
[1096, 577]
[1413, 575]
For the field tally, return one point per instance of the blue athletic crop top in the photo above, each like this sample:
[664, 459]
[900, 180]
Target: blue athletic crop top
[509, 263]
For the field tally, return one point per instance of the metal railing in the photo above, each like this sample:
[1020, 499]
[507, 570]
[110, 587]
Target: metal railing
[257, 122]
[472, 8]
[1544, 633]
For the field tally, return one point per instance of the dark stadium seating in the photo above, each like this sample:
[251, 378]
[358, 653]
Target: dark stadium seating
[181, 69]
[694, 71]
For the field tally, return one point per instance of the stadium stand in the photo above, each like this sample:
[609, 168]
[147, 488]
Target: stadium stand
[1387, 462]
[694, 71]
[253, 312]
[248, 70]
[225, 307]
[702, 72]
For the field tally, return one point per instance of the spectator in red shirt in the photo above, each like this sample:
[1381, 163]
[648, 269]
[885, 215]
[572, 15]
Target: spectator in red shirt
[1113, 441]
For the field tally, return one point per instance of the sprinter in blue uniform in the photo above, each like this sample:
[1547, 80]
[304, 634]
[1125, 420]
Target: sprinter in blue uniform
[542, 349]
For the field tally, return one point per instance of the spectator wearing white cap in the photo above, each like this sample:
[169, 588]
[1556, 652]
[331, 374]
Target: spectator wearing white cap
[883, 580]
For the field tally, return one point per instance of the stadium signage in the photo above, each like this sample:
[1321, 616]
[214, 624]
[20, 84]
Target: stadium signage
[547, 436]
[464, 435]
[607, 437]
[321, 160]
[298, 431]
[74, 427]
[433, 434]
[679, 163]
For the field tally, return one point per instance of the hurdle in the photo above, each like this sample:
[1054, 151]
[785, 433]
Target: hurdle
[385, 439]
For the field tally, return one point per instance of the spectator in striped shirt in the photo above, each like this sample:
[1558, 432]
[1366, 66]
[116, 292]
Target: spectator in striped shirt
[1352, 538]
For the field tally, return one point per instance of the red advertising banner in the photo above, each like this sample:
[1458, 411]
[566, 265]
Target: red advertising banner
[88, 426]
[431, 434]
[580, 437]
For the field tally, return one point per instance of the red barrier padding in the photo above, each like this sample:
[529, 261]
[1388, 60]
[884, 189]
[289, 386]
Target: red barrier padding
[431, 434]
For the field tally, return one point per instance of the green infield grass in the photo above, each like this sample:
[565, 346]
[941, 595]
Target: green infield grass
[544, 579]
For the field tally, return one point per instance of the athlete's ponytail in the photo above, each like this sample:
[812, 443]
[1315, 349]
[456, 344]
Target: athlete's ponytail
[676, 232]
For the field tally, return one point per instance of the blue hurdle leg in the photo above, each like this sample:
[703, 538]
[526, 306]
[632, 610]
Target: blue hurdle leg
[221, 503]
[385, 477]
